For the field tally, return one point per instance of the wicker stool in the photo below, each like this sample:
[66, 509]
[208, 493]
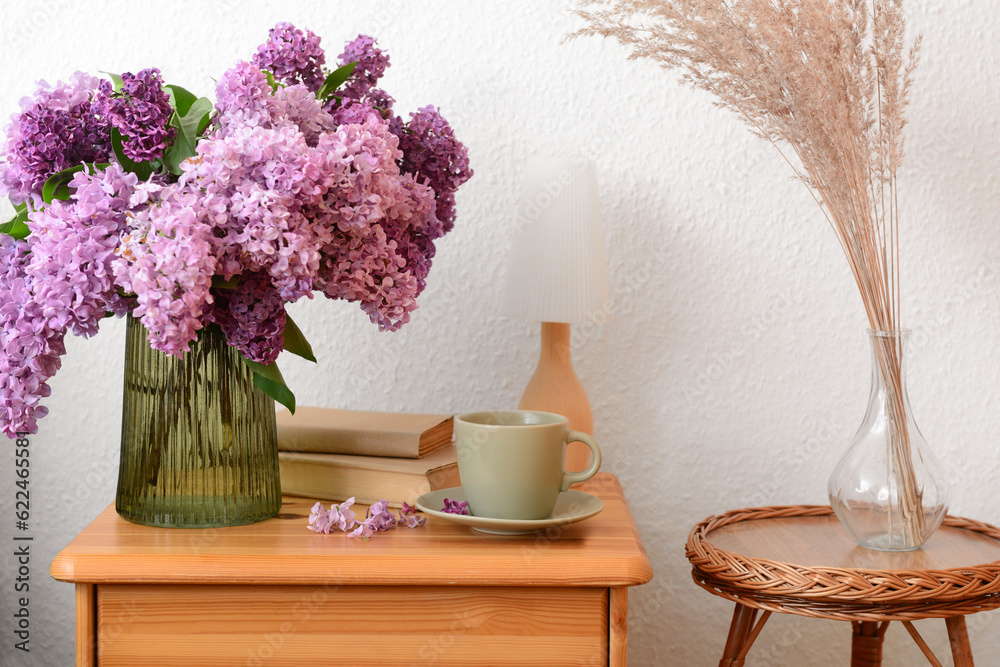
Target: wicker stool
[799, 560]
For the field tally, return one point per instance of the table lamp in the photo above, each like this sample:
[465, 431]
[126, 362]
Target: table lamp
[557, 275]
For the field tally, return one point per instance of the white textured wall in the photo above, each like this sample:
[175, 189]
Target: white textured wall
[734, 367]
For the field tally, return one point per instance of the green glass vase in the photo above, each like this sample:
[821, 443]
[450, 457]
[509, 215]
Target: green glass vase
[199, 444]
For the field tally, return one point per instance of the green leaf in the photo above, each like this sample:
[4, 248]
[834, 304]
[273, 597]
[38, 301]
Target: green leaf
[180, 99]
[203, 123]
[188, 127]
[295, 341]
[270, 80]
[17, 226]
[57, 185]
[23, 206]
[142, 169]
[334, 80]
[268, 379]
[218, 282]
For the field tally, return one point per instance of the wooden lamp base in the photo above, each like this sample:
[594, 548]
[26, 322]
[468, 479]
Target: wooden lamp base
[555, 388]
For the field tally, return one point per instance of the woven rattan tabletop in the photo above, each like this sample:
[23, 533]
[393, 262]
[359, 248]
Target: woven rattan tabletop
[798, 559]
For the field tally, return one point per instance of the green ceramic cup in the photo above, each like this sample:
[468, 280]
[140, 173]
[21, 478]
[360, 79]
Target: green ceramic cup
[511, 462]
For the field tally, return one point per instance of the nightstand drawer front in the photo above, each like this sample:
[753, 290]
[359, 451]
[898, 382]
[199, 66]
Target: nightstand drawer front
[167, 625]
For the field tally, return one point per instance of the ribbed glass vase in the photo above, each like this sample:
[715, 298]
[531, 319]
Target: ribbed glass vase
[199, 443]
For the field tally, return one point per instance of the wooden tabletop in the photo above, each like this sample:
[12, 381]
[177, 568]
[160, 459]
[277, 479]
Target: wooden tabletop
[604, 550]
[820, 541]
[800, 560]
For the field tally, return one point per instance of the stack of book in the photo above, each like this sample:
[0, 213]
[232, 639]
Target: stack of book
[336, 454]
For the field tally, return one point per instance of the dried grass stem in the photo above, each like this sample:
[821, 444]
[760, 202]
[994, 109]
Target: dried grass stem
[828, 78]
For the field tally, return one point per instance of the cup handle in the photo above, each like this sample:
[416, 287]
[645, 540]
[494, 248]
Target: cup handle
[595, 464]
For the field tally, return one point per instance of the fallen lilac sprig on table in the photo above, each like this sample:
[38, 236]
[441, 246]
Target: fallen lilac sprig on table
[379, 518]
[456, 507]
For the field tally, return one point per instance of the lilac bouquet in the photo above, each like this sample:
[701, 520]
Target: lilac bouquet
[136, 197]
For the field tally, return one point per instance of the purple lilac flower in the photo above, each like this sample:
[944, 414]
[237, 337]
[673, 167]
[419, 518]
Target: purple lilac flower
[31, 347]
[319, 519]
[244, 98]
[252, 317]
[412, 521]
[57, 280]
[257, 182]
[338, 516]
[413, 225]
[433, 154]
[55, 129]
[297, 105]
[352, 113]
[362, 263]
[343, 518]
[292, 56]
[379, 519]
[371, 65]
[455, 507]
[364, 530]
[285, 195]
[141, 111]
[166, 260]
[73, 245]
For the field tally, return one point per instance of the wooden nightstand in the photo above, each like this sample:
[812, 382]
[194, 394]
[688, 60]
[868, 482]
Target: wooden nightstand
[275, 593]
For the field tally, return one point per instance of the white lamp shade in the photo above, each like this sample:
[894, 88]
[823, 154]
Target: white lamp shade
[556, 270]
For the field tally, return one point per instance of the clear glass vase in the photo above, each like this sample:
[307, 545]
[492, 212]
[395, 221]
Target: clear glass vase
[199, 442]
[889, 490]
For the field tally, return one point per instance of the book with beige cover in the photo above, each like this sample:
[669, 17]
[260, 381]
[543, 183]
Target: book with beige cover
[399, 435]
[369, 479]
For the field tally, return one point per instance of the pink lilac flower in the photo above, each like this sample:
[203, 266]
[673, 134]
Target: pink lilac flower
[243, 98]
[340, 516]
[379, 519]
[257, 181]
[343, 518]
[413, 225]
[252, 317]
[319, 519]
[73, 247]
[433, 154]
[412, 521]
[298, 105]
[141, 112]
[371, 65]
[59, 279]
[31, 348]
[292, 56]
[284, 196]
[455, 507]
[362, 262]
[364, 531]
[55, 129]
[352, 113]
[166, 260]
